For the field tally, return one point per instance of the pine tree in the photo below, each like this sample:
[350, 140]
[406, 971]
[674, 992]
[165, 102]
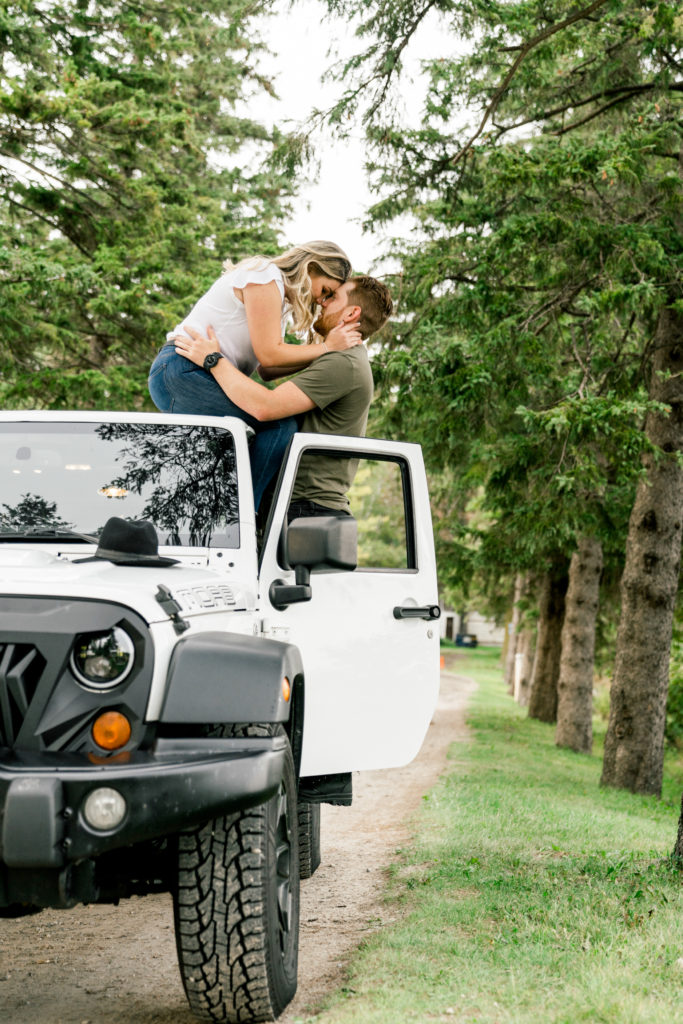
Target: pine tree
[125, 182]
[545, 184]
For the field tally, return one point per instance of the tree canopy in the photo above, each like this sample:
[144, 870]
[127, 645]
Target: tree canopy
[129, 173]
[545, 190]
[538, 354]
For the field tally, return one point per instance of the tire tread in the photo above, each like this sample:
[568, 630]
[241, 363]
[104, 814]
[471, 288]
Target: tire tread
[309, 838]
[221, 933]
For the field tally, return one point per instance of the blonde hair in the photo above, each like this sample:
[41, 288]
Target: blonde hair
[297, 264]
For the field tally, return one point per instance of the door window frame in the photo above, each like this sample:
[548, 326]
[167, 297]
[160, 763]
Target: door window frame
[348, 452]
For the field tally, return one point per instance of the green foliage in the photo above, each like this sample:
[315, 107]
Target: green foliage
[376, 498]
[544, 186]
[125, 183]
[118, 387]
[522, 897]
[604, 664]
[674, 704]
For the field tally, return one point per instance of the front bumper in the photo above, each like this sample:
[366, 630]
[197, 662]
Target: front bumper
[179, 783]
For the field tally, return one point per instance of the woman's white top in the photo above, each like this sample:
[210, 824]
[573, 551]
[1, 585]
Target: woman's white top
[221, 309]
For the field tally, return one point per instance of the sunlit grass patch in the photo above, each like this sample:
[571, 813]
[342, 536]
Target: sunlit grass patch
[530, 894]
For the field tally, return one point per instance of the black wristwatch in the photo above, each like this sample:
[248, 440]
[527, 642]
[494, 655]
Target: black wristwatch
[211, 360]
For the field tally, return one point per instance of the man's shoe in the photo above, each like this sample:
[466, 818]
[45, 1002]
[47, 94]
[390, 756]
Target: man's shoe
[326, 789]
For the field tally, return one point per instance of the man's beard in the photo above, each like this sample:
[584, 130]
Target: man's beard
[324, 324]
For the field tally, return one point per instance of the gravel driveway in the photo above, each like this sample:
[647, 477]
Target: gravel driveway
[117, 965]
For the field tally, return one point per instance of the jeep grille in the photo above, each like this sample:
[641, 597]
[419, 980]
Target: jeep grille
[21, 667]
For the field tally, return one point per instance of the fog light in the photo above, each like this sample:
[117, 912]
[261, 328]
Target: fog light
[104, 809]
[111, 730]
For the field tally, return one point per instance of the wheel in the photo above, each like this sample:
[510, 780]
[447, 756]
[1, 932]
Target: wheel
[309, 838]
[19, 910]
[237, 907]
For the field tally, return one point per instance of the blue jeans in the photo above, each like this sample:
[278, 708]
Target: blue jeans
[177, 385]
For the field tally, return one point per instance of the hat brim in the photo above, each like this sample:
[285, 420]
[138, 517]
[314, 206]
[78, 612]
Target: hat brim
[125, 558]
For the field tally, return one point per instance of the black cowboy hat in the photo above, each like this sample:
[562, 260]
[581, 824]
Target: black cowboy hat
[129, 543]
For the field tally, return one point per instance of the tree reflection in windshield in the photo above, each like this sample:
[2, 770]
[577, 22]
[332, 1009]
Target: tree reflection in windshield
[187, 476]
[30, 512]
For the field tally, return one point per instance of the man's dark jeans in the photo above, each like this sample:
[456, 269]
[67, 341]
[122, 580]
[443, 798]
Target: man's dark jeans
[303, 508]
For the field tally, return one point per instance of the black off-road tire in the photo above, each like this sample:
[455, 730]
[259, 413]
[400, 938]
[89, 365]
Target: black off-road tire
[13, 910]
[309, 838]
[237, 907]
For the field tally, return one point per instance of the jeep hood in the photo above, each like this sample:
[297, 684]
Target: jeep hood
[31, 571]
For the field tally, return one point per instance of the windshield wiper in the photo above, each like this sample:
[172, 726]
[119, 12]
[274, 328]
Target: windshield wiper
[46, 532]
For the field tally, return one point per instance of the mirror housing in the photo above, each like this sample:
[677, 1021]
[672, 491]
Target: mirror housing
[326, 542]
[315, 542]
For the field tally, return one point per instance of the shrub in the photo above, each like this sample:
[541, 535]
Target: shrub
[674, 704]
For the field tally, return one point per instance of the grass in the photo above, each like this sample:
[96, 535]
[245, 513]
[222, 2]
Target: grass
[530, 894]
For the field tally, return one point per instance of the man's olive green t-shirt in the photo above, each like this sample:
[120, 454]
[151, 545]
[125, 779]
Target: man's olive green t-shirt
[340, 384]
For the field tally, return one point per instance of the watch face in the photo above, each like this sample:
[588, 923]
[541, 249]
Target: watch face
[211, 359]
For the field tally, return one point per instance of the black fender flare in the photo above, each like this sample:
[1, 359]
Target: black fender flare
[228, 677]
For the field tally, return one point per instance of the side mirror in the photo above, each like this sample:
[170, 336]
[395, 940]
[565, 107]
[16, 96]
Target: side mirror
[327, 542]
[316, 542]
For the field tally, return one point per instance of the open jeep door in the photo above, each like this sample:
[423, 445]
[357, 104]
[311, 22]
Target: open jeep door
[367, 637]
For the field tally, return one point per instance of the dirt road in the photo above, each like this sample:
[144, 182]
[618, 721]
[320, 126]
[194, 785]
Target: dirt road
[117, 965]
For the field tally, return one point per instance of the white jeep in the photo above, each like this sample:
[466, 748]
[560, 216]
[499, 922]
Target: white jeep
[174, 727]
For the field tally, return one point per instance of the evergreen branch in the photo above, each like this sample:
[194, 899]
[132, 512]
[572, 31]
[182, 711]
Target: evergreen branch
[386, 75]
[595, 113]
[46, 220]
[608, 375]
[603, 200]
[525, 50]
[561, 301]
[54, 177]
[77, 143]
[671, 60]
[646, 357]
[460, 279]
[545, 115]
[584, 366]
[539, 330]
[383, 73]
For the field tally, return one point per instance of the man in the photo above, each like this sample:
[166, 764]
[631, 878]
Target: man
[333, 393]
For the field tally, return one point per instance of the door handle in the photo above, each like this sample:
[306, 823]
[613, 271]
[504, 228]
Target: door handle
[430, 611]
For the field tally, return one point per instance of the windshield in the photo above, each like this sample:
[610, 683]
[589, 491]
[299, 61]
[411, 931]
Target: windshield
[71, 477]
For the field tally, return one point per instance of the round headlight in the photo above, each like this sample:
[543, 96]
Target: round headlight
[102, 660]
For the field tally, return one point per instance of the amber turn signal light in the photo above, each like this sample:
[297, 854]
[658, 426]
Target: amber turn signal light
[286, 690]
[111, 730]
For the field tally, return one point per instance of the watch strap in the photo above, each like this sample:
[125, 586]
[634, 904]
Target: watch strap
[211, 360]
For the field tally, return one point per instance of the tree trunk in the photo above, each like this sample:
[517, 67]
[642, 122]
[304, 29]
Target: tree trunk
[575, 689]
[677, 854]
[525, 641]
[511, 637]
[508, 655]
[526, 649]
[543, 699]
[634, 745]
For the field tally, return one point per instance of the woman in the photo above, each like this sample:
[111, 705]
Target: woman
[248, 307]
